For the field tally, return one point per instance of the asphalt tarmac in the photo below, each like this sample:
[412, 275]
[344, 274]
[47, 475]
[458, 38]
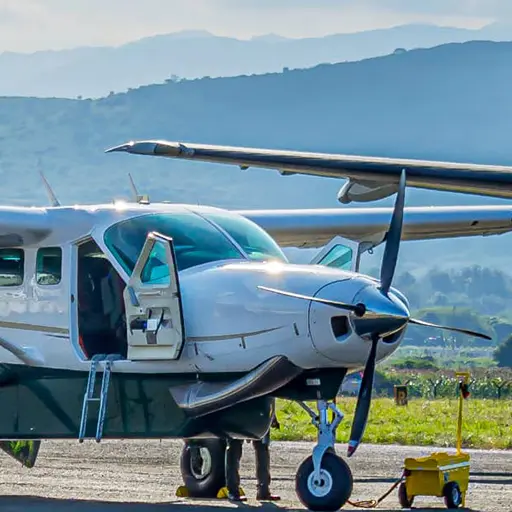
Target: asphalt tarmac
[142, 476]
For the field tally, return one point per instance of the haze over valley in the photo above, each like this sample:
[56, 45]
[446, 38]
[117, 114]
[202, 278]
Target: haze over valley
[94, 71]
[451, 102]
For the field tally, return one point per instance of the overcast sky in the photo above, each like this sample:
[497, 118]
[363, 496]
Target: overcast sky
[29, 25]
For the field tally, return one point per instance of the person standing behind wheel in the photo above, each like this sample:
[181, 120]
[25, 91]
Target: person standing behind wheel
[262, 453]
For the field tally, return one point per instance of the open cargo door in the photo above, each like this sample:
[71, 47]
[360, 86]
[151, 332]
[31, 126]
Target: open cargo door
[153, 303]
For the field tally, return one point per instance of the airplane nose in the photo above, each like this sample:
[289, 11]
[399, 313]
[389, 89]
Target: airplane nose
[385, 315]
[336, 334]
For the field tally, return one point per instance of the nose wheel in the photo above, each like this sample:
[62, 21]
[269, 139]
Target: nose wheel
[324, 480]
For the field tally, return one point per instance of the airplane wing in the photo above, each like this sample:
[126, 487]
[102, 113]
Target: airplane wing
[316, 227]
[369, 178]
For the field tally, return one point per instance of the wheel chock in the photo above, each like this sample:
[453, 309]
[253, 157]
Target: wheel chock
[182, 492]
[223, 493]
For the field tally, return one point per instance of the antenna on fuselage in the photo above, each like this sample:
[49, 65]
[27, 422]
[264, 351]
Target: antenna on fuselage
[134, 188]
[141, 199]
[49, 191]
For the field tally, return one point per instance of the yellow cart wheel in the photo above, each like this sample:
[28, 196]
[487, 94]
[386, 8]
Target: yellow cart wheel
[452, 495]
[404, 500]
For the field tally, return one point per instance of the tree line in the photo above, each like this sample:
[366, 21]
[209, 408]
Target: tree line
[474, 297]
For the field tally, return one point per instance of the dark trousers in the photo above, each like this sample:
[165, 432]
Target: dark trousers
[233, 456]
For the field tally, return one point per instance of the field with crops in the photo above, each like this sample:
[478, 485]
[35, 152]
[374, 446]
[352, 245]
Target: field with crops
[424, 422]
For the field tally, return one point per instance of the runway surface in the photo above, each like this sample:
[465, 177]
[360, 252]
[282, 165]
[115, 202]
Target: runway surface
[142, 476]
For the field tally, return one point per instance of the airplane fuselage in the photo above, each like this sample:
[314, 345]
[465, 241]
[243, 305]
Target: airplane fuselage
[230, 328]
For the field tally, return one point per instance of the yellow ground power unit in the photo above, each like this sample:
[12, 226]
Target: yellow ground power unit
[440, 474]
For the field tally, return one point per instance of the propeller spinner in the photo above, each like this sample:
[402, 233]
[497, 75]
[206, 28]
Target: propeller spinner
[390, 317]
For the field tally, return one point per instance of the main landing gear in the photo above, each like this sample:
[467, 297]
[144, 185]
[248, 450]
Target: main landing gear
[203, 474]
[324, 480]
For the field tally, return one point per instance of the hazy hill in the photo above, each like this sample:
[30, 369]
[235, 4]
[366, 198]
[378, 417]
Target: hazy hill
[451, 102]
[95, 71]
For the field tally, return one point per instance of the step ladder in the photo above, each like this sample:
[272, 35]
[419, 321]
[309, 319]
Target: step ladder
[98, 362]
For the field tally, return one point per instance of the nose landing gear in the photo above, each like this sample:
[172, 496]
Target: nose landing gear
[324, 480]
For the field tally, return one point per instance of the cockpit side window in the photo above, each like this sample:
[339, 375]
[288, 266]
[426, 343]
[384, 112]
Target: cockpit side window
[340, 256]
[255, 242]
[156, 269]
[195, 240]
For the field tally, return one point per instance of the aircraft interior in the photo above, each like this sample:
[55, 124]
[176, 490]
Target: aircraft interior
[101, 311]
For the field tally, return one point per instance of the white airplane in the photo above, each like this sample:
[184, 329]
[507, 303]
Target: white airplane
[197, 322]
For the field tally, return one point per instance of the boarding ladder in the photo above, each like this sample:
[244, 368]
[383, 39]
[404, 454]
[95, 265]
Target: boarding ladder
[98, 362]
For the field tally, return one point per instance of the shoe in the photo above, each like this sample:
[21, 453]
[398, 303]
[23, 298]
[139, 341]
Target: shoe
[267, 496]
[236, 497]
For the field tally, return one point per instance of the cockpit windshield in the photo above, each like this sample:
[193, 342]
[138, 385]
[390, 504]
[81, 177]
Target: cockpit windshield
[254, 241]
[196, 241]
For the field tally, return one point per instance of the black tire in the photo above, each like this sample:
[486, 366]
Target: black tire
[452, 495]
[336, 486]
[403, 499]
[207, 484]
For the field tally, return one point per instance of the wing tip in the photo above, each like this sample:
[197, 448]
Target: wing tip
[152, 148]
[126, 147]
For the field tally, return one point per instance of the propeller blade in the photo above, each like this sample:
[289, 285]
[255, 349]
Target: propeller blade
[358, 309]
[387, 270]
[448, 328]
[363, 400]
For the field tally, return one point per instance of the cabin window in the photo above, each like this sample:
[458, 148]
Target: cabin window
[49, 266]
[12, 262]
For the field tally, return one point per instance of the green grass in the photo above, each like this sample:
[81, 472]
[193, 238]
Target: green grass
[486, 423]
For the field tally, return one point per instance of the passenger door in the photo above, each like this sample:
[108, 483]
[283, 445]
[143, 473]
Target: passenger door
[339, 253]
[154, 315]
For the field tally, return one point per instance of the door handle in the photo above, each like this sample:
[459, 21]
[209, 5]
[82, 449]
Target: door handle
[138, 324]
[156, 293]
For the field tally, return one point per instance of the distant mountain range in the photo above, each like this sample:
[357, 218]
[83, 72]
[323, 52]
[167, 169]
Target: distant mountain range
[452, 102]
[97, 71]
